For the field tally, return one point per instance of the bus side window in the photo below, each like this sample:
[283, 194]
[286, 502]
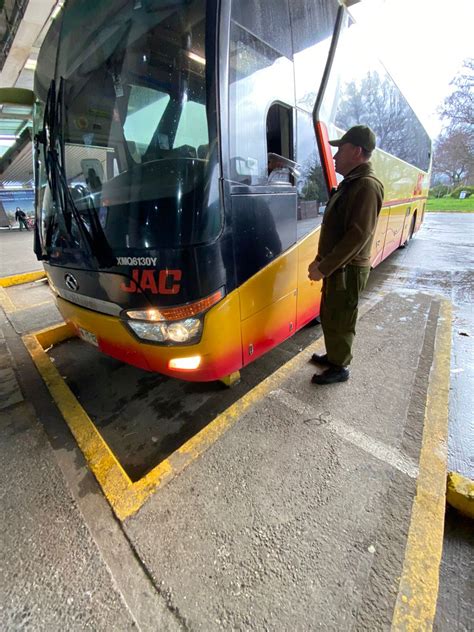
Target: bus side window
[268, 20]
[310, 184]
[279, 144]
[260, 74]
[312, 28]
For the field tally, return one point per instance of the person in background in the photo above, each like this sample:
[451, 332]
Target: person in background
[343, 258]
[21, 217]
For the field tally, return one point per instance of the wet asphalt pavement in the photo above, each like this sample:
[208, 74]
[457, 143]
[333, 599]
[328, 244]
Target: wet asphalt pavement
[440, 260]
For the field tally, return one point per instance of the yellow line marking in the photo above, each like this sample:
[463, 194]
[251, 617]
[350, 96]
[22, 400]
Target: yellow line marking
[102, 461]
[5, 302]
[9, 306]
[18, 279]
[460, 494]
[415, 607]
[18, 308]
[126, 497]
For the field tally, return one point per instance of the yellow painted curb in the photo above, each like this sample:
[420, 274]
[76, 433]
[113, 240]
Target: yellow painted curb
[56, 333]
[415, 607]
[126, 497]
[460, 494]
[19, 279]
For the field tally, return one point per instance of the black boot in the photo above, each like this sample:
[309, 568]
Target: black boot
[321, 360]
[331, 376]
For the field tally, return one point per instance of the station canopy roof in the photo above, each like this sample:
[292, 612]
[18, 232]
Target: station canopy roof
[16, 111]
[23, 27]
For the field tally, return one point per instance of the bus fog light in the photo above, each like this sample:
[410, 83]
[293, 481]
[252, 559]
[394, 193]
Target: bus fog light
[155, 332]
[185, 364]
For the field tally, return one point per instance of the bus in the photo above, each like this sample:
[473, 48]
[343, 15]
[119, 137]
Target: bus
[182, 168]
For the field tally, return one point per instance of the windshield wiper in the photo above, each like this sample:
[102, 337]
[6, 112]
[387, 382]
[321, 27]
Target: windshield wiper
[94, 238]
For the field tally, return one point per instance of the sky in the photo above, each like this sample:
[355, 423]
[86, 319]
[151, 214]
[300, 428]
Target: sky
[422, 43]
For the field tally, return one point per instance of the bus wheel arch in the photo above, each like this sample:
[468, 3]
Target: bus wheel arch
[411, 231]
[412, 226]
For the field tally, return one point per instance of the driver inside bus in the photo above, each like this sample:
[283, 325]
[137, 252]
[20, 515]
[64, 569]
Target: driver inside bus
[278, 169]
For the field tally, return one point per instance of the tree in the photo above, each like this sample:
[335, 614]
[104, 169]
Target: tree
[454, 148]
[458, 107]
[454, 156]
[313, 185]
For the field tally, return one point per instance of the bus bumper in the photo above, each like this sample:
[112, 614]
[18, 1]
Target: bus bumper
[219, 350]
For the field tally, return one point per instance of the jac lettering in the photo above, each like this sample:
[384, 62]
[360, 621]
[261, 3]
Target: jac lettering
[154, 281]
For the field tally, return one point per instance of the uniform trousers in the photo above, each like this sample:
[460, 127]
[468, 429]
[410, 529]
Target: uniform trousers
[339, 309]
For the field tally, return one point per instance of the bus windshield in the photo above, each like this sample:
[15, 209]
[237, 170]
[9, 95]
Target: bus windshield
[137, 122]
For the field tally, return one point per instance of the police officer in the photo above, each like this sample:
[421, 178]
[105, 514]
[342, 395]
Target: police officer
[343, 259]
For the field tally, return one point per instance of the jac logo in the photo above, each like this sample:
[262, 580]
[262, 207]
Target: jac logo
[156, 281]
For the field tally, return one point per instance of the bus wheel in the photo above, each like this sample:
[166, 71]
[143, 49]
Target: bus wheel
[231, 380]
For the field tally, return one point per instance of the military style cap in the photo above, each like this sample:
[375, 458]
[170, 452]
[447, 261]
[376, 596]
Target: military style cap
[359, 135]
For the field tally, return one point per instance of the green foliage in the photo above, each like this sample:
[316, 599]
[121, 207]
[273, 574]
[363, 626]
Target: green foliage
[448, 205]
[438, 191]
[469, 191]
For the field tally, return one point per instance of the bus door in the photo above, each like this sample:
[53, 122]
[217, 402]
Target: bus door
[264, 228]
[260, 171]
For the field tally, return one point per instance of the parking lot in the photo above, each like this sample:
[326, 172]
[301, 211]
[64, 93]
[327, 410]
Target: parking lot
[271, 505]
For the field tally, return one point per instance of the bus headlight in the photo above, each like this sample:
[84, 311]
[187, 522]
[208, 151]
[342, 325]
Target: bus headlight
[181, 324]
[183, 331]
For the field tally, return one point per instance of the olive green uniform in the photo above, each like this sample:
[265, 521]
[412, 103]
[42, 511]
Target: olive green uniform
[343, 257]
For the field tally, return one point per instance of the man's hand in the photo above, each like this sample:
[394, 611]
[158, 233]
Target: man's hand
[313, 271]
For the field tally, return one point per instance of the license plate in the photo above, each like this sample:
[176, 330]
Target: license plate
[88, 336]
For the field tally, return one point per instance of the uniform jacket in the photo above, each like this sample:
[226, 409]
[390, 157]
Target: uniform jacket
[350, 221]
